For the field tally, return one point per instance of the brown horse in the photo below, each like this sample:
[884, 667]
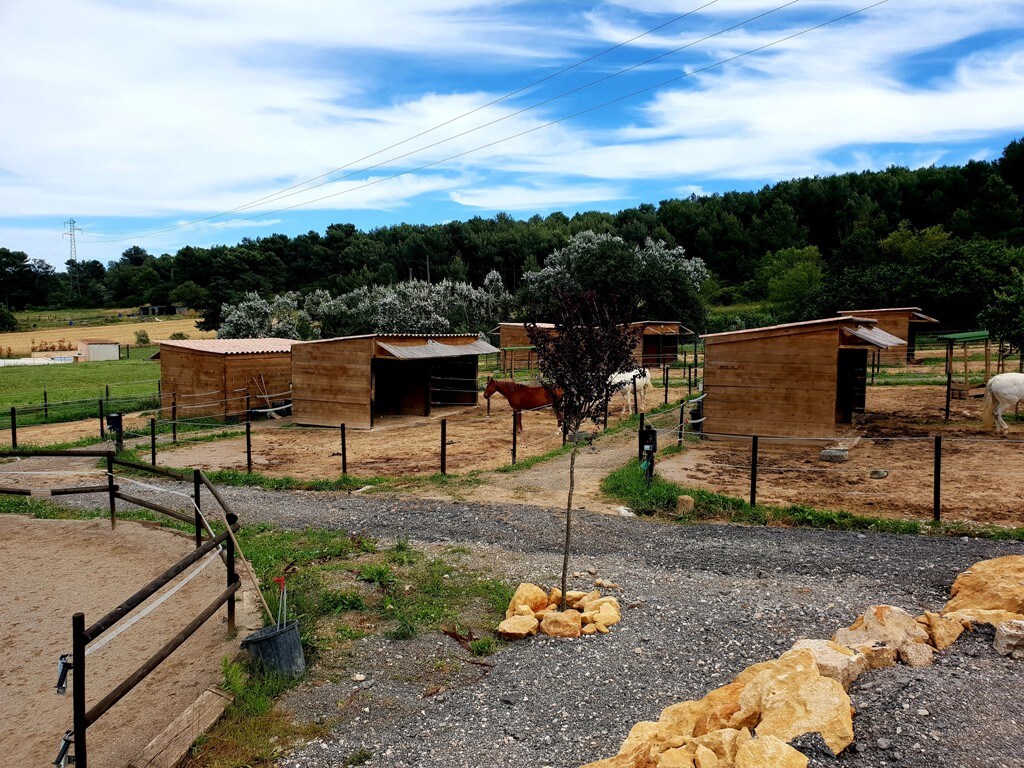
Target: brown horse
[524, 397]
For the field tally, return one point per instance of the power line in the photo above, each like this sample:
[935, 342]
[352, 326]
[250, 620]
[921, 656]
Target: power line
[550, 123]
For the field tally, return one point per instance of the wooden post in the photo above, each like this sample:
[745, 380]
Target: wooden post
[753, 470]
[937, 481]
[513, 438]
[111, 491]
[248, 444]
[14, 428]
[103, 429]
[444, 446]
[197, 485]
[232, 576]
[682, 422]
[78, 687]
[664, 377]
[152, 442]
[344, 452]
[174, 417]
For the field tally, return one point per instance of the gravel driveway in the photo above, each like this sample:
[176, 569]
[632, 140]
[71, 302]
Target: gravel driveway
[701, 603]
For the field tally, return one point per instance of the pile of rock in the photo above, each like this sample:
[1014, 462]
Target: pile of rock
[532, 610]
[748, 723]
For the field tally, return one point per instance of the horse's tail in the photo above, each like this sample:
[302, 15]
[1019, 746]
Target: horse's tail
[988, 408]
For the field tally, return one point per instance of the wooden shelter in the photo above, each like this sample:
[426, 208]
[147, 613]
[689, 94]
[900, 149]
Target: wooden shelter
[901, 322]
[962, 387]
[799, 379]
[96, 350]
[211, 377]
[352, 379]
[660, 344]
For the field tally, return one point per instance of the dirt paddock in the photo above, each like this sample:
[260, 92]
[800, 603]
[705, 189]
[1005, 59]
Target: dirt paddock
[981, 481]
[54, 568]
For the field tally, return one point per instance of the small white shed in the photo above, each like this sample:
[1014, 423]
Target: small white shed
[96, 350]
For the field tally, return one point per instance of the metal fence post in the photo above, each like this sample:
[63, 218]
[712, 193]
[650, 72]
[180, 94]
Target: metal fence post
[682, 422]
[514, 437]
[232, 576]
[152, 442]
[46, 406]
[248, 443]
[174, 417]
[78, 687]
[639, 447]
[636, 405]
[14, 428]
[937, 481]
[110, 488]
[344, 452]
[444, 446]
[103, 429]
[753, 470]
[197, 485]
[664, 377]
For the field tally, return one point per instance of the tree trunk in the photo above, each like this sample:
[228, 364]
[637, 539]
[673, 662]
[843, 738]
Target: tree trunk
[568, 522]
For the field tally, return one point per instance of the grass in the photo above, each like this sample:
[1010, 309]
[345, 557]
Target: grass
[627, 484]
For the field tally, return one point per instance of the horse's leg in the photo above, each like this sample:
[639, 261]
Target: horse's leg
[1003, 427]
[519, 422]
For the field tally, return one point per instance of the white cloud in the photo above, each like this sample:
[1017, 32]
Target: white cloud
[511, 197]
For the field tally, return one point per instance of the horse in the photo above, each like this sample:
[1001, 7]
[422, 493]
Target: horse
[1003, 390]
[524, 397]
[621, 385]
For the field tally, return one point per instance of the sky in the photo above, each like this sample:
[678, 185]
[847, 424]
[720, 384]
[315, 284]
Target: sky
[188, 122]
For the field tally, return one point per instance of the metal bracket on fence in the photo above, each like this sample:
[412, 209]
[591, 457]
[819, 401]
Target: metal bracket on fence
[63, 758]
[64, 666]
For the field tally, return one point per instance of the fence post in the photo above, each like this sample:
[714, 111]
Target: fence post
[513, 438]
[174, 417]
[639, 447]
[110, 488]
[78, 687]
[344, 452]
[152, 442]
[636, 406]
[753, 470]
[937, 481]
[14, 428]
[107, 391]
[248, 443]
[248, 406]
[46, 406]
[444, 446]
[665, 379]
[689, 381]
[103, 429]
[232, 576]
[197, 485]
[682, 423]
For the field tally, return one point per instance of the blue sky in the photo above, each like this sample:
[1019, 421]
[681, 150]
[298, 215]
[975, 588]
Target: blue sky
[181, 122]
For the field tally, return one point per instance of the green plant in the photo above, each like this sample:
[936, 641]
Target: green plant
[483, 646]
[379, 574]
[359, 757]
[402, 553]
[176, 336]
[142, 338]
[336, 601]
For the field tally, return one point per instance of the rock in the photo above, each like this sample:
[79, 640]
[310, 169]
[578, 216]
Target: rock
[518, 627]
[834, 455]
[685, 504]
[884, 743]
[555, 596]
[583, 600]
[996, 585]
[942, 632]
[524, 610]
[589, 629]
[877, 656]
[835, 660]
[889, 626]
[626, 512]
[358, 678]
[789, 697]
[916, 654]
[527, 595]
[765, 751]
[1010, 639]
[565, 624]
[982, 616]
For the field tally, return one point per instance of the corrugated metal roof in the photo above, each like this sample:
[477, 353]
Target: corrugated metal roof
[233, 346]
[916, 315]
[876, 336]
[434, 349]
[768, 330]
[968, 336]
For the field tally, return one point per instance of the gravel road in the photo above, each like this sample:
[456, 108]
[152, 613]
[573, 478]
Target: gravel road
[701, 603]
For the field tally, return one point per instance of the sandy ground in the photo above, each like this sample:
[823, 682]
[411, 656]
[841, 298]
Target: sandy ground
[981, 478]
[123, 333]
[54, 568]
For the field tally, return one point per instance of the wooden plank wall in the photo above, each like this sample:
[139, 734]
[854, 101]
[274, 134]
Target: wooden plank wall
[332, 383]
[778, 386]
[898, 325]
[243, 372]
[192, 375]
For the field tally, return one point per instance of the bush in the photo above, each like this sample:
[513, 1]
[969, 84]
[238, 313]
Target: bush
[141, 338]
[7, 321]
[178, 336]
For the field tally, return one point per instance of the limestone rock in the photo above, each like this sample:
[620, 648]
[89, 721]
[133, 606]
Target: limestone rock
[877, 656]
[685, 504]
[566, 624]
[523, 610]
[529, 595]
[1010, 639]
[982, 616]
[996, 585]
[769, 752]
[791, 698]
[518, 627]
[892, 627]
[555, 596]
[942, 632]
[917, 654]
[835, 660]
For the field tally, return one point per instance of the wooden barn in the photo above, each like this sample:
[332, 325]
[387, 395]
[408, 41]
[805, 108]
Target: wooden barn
[353, 379]
[799, 379]
[901, 322]
[210, 377]
[661, 344]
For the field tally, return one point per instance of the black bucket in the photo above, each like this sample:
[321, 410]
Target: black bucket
[277, 650]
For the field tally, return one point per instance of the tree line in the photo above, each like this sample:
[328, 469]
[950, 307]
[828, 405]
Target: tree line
[944, 238]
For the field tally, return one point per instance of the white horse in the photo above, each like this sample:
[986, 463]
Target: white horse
[621, 385]
[1004, 390]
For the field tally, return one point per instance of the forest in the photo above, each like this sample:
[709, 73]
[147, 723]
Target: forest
[943, 238]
